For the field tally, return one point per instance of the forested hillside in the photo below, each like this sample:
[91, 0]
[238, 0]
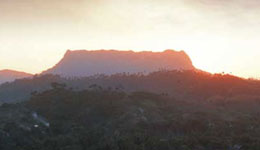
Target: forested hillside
[105, 119]
[188, 85]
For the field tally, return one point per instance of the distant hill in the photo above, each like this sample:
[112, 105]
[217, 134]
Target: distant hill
[11, 75]
[86, 63]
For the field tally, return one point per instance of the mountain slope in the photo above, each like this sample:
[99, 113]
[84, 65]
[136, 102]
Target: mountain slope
[11, 75]
[86, 63]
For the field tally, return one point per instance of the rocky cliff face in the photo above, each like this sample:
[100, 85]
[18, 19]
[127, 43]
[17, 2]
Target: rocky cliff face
[11, 75]
[86, 63]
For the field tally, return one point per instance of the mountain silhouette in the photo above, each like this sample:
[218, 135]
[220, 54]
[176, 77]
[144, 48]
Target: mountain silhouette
[86, 63]
[11, 75]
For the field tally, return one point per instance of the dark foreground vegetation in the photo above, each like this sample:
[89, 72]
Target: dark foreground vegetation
[108, 119]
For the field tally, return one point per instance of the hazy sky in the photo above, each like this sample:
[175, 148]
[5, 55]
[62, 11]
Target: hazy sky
[219, 35]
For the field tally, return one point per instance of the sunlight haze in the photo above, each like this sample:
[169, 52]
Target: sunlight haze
[218, 35]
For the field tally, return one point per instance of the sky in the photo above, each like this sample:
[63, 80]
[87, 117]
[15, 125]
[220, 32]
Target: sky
[218, 35]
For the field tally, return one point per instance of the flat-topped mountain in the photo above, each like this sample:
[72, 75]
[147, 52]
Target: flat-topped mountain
[85, 63]
[11, 75]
